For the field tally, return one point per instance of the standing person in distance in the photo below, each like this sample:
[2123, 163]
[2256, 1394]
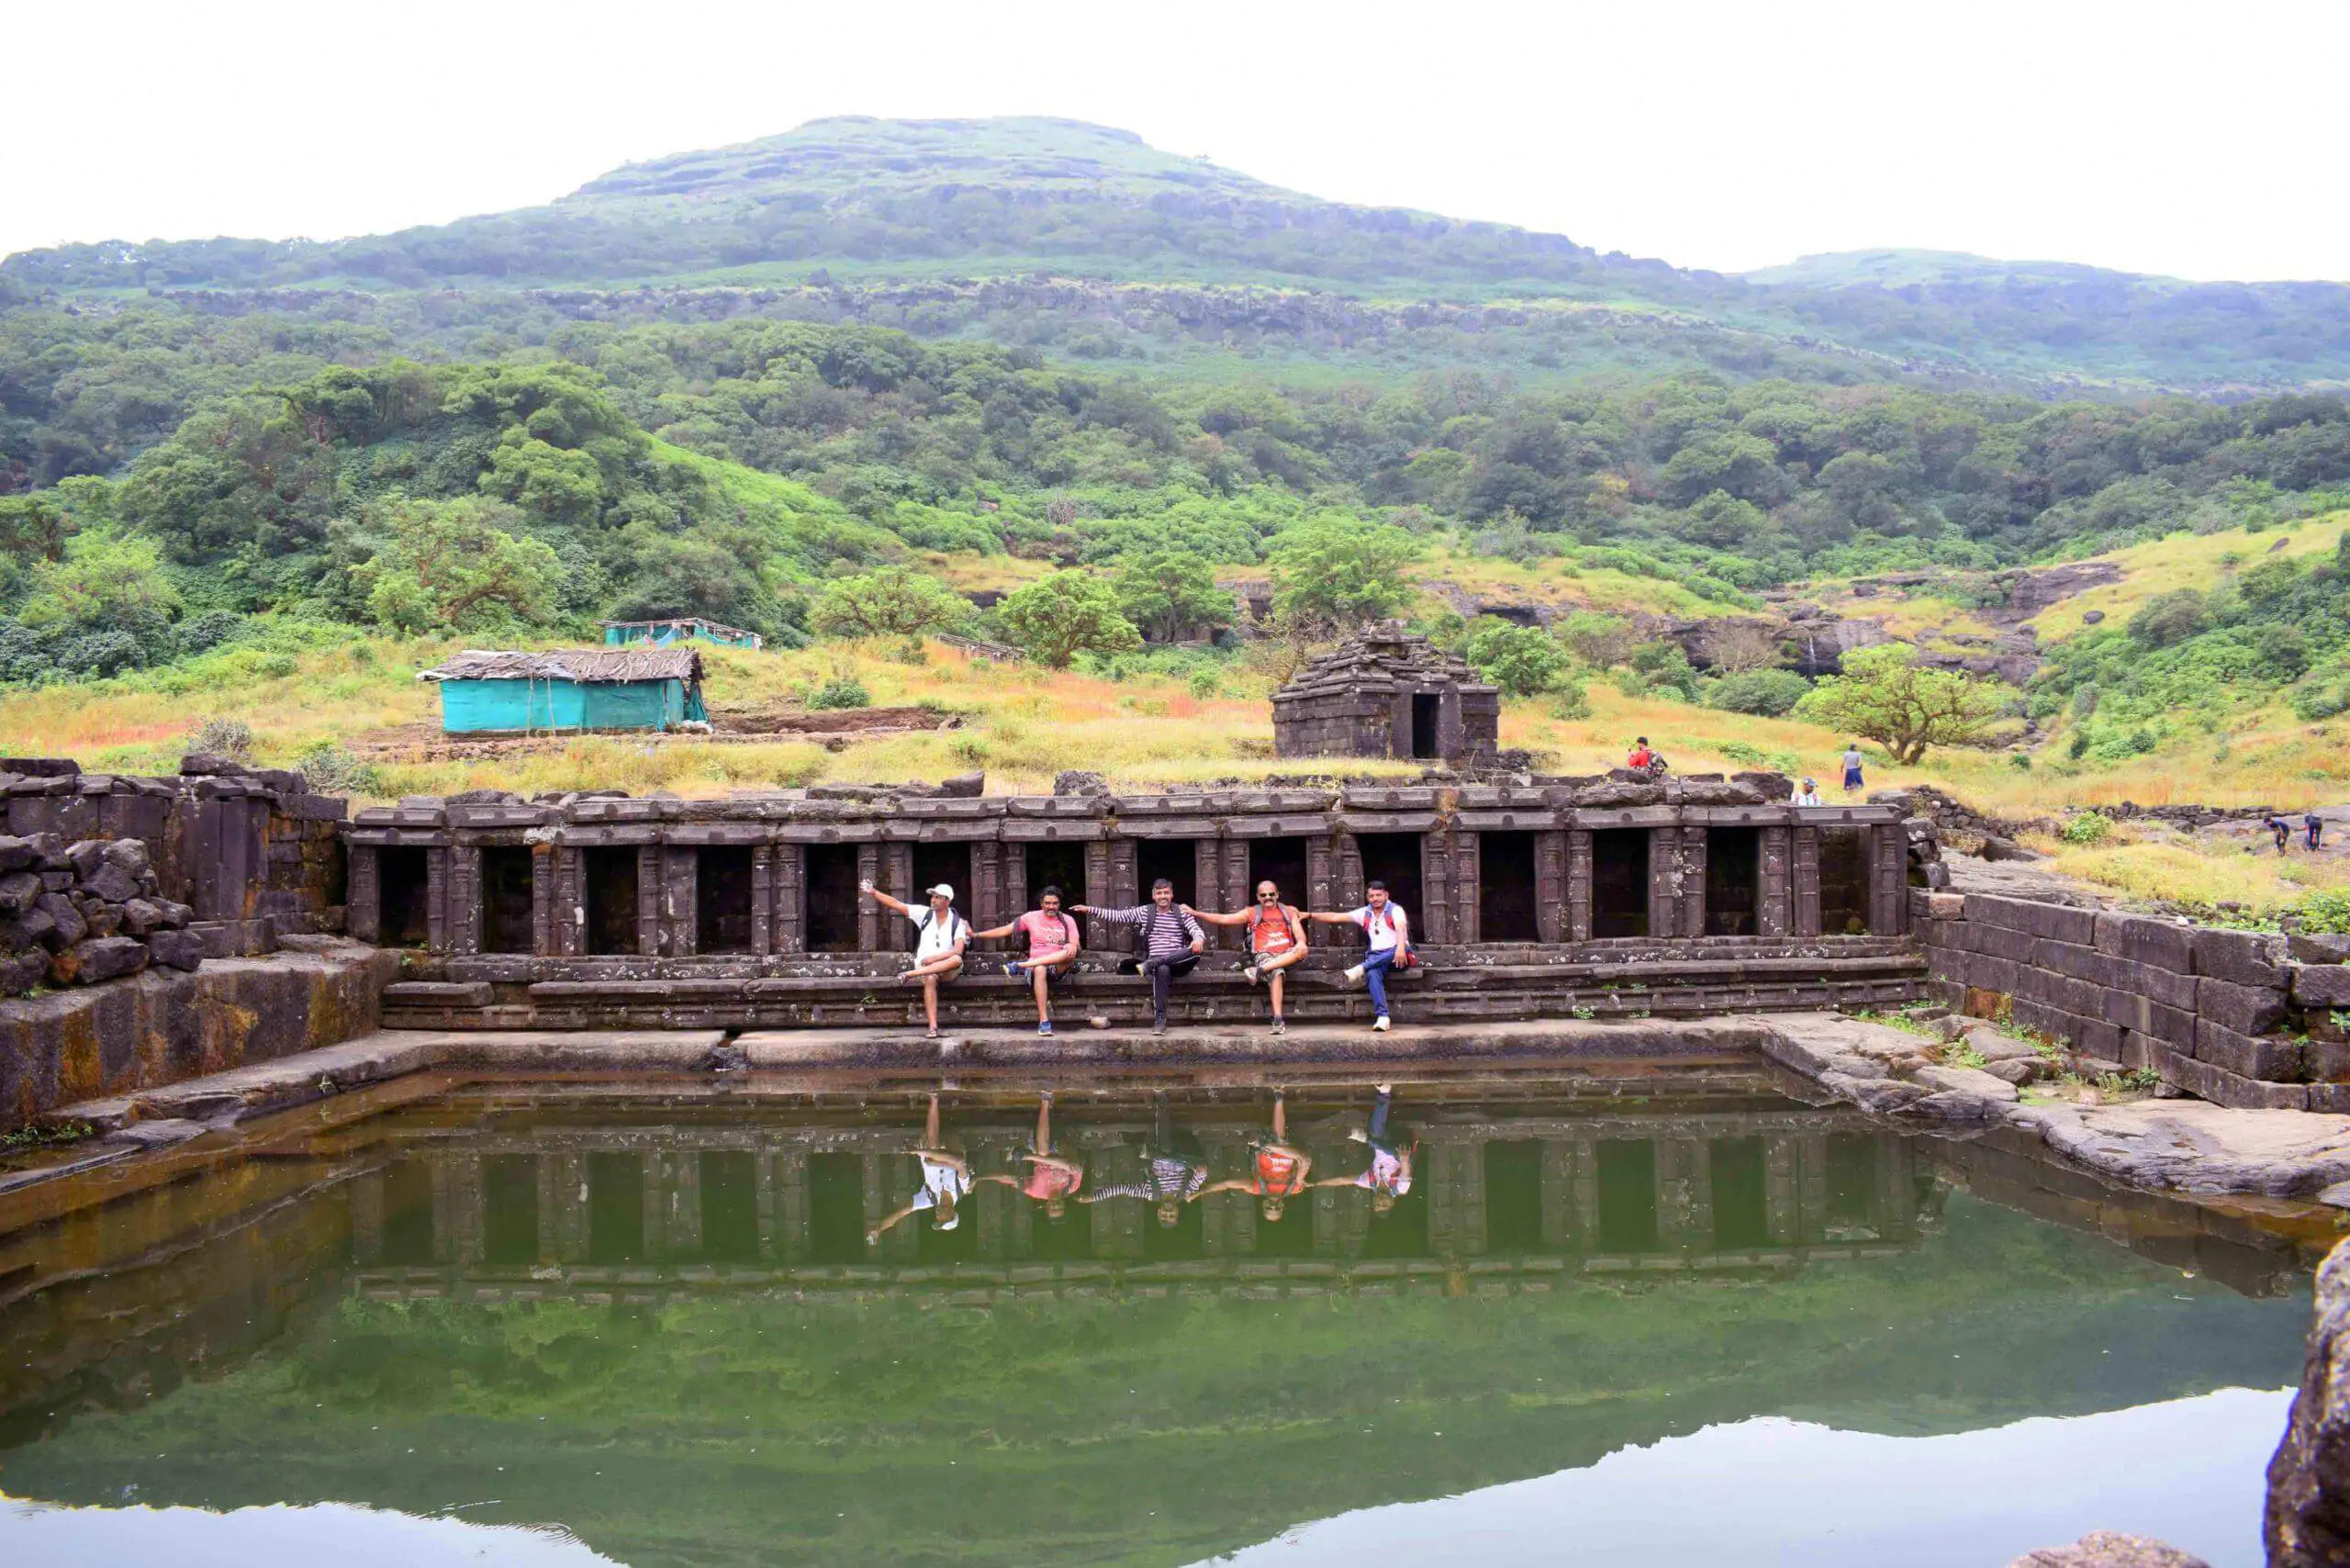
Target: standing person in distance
[939, 954]
[1171, 941]
[1053, 943]
[1384, 923]
[2315, 824]
[1276, 941]
[1851, 766]
[1809, 794]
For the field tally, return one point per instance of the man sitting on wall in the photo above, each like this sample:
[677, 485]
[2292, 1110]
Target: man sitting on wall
[1276, 940]
[1052, 951]
[939, 955]
[1388, 930]
[1172, 943]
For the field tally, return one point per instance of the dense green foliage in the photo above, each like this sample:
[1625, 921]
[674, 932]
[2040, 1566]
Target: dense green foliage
[2188, 657]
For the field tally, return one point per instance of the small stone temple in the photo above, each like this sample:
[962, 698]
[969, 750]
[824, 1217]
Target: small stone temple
[1388, 693]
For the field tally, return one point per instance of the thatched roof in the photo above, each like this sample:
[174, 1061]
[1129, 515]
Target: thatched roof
[588, 666]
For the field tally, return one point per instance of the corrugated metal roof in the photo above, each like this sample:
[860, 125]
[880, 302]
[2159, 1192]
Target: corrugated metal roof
[586, 665]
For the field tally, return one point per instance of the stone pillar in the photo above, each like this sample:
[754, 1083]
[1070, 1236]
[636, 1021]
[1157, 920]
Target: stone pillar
[650, 860]
[681, 901]
[1774, 910]
[465, 899]
[1692, 881]
[788, 911]
[546, 902]
[1456, 896]
[1015, 870]
[1207, 876]
[898, 881]
[1804, 880]
[762, 899]
[366, 1201]
[1888, 880]
[363, 917]
[1234, 890]
[1665, 881]
[871, 914]
[563, 1183]
[1349, 877]
[1321, 875]
[1586, 1192]
[1432, 920]
[436, 899]
[567, 912]
[988, 907]
[1550, 884]
[1109, 865]
[1579, 885]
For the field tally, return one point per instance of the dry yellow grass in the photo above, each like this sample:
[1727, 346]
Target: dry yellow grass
[2196, 873]
[2184, 560]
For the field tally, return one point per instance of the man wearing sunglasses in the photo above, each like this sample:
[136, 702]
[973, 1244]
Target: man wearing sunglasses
[1276, 940]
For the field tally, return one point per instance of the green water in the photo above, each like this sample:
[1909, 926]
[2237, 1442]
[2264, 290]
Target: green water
[653, 1319]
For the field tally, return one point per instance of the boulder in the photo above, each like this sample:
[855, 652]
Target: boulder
[112, 883]
[1997, 848]
[141, 916]
[24, 971]
[2110, 1548]
[85, 856]
[175, 949]
[97, 959]
[102, 919]
[964, 786]
[175, 914]
[1965, 1081]
[1079, 781]
[210, 764]
[2308, 1479]
[15, 853]
[130, 854]
[2091, 617]
[33, 928]
[67, 924]
[17, 892]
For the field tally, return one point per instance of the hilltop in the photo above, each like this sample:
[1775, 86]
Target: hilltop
[945, 226]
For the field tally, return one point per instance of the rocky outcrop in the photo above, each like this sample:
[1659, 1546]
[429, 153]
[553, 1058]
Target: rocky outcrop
[2307, 1521]
[2110, 1548]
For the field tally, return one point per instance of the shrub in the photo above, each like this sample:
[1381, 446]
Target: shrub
[1569, 700]
[1203, 684]
[2313, 702]
[2325, 911]
[2087, 828]
[1768, 693]
[1522, 660]
[842, 691]
[231, 738]
[2170, 618]
[334, 770]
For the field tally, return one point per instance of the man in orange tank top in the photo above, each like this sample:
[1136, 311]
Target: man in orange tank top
[1276, 941]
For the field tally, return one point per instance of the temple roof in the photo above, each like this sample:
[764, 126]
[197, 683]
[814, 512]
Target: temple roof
[1381, 654]
[587, 667]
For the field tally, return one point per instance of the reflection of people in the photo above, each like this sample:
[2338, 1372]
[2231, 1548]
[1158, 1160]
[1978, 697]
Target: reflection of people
[1052, 951]
[1276, 940]
[1050, 1178]
[1390, 933]
[1277, 1171]
[1389, 1175]
[939, 955]
[1171, 941]
[945, 1179]
[1173, 1171]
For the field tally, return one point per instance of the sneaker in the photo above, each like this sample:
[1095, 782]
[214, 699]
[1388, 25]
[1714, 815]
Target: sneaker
[1158, 1027]
[1379, 1024]
[1280, 1026]
[1354, 975]
[1046, 1027]
[1250, 970]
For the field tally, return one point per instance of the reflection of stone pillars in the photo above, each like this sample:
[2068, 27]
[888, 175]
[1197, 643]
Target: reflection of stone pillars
[677, 1176]
[1228, 1224]
[456, 1208]
[1804, 878]
[1811, 1188]
[1685, 1216]
[790, 1169]
[1456, 1170]
[1781, 1157]
[1563, 1176]
[366, 1218]
[562, 1184]
[887, 1186]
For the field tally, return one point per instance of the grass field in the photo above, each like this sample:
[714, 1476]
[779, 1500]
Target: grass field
[2184, 560]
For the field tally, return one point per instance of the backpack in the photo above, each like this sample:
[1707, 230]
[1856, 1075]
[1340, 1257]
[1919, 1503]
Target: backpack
[956, 925]
[1257, 918]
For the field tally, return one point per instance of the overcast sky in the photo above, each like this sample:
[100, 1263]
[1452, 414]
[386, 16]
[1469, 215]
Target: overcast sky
[2198, 140]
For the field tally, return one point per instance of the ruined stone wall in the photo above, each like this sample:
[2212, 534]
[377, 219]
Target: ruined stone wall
[2239, 1018]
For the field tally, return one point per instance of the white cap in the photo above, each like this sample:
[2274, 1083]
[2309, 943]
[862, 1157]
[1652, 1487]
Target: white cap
[942, 892]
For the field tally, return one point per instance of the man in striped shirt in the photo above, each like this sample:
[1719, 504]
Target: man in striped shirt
[1174, 1169]
[1171, 941]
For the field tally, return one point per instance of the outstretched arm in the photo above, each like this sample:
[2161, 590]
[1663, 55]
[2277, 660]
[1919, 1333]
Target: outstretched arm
[1341, 919]
[875, 1233]
[1004, 930]
[1215, 919]
[1235, 1184]
[884, 899]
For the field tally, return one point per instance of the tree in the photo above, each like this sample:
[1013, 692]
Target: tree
[1600, 640]
[1069, 613]
[2170, 618]
[1341, 573]
[1741, 644]
[1521, 660]
[454, 565]
[1167, 591]
[1885, 695]
[895, 601]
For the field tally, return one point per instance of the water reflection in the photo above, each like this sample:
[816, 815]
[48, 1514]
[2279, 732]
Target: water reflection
[698, 1322]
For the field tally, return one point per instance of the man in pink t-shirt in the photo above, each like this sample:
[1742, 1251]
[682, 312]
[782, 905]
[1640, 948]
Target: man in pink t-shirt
[1052, 944]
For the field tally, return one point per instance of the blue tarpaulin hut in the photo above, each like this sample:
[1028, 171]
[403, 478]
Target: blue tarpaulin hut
[672, 629]
[569, 689]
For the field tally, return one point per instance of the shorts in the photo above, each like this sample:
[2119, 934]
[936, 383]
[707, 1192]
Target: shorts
[1053, 977]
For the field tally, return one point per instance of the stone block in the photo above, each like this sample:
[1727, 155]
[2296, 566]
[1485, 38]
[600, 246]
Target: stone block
[2275, 1058]
[2246, 958]
[67, 924]
[2327, 1060]
[2146, 941]
[17, 892]
[175, 949]
[1965, 1080]
[86, 856]
[2247, 1010]
[98, 959]
[17, 854]
[112, 883]
[2221, 1087]
[2330, 1097]
[2314, 985]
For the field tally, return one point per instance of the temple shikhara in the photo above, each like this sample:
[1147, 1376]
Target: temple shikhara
[1388, 693]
